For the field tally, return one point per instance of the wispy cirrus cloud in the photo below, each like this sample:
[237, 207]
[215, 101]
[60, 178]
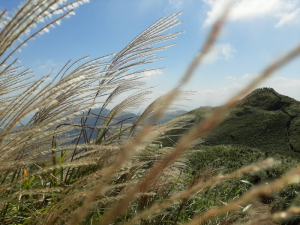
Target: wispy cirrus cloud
[292, 17]
[223, 51]
[287, 11]
[48, 65]
[175, 3]
[231, 78]
[249, 76]
[151, 74]
[278, 82]
[146, 75]
[45, 68]
[215, 96]
[228, 89]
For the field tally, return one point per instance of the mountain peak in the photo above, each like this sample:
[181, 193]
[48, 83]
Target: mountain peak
[266, 99]
[264, 119]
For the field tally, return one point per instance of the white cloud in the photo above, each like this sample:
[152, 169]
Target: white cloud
[275, 82]
[229, 89]
[289, 18]
[249, 76]
[232, 88]
[48, 65]
[287, 11]
[127, 77]
[206, 92]
[231, 78]
[283, 82]
[218, 95]
[152, 73]
[175, 3]
[215, 96]
[220, 51]
[146, 75]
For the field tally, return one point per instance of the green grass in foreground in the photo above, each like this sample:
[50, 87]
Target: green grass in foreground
[231, 158]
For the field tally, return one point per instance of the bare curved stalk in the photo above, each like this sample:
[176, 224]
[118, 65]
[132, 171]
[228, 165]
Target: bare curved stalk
[122, 206]
[138, 48]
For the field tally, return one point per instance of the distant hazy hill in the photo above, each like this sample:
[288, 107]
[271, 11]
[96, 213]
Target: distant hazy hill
[127, 118]
[264, 119]
[131, 116]
[168, 116]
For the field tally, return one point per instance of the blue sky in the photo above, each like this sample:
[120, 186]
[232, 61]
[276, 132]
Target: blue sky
[256, 33]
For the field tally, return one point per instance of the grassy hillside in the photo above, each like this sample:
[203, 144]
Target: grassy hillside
[264, 120]
[262, 124]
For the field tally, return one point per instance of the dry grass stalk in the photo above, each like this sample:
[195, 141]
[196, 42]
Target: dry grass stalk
[160, 166]
[160, 26]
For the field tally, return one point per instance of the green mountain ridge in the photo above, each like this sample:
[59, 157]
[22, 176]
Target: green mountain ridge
[264, 119]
